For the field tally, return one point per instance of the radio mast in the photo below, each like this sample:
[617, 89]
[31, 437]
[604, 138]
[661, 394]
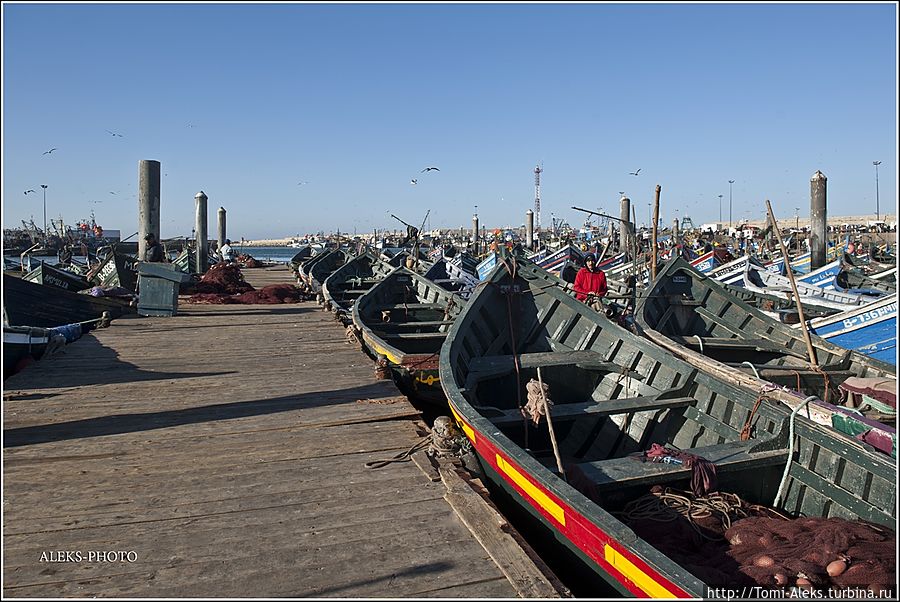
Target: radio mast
[537, 196]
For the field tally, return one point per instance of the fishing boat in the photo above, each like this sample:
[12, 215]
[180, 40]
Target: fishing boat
[330, 260]
[614, 395]
[403, 320]
[450, 278]
[117, 270]
[30, 304]
[485, 266]
[23, 345]
[350, 281]
[869, 329]
[52, 276]
[762, 280]
[695, 318]
[851, 279]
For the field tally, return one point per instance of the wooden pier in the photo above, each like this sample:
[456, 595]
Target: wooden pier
[221, 453]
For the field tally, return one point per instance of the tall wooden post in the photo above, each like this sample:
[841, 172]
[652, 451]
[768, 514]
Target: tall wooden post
[202, 237]
[222, 234]
[818, 218]
[653, 249]
[148, 202]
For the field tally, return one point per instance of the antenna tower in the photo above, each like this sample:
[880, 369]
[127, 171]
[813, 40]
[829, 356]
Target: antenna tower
[537, 196]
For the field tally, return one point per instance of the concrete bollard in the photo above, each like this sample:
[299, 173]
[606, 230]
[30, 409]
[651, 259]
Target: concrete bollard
[529, 229]
[222, 234]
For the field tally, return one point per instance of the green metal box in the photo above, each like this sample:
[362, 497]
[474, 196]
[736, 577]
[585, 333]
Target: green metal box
[158, 289]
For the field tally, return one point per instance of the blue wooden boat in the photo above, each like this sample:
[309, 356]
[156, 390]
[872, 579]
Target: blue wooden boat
[31, 304]
[559, 259]
[869, 329]
[485, 266]
[614, 395]
[822, 277]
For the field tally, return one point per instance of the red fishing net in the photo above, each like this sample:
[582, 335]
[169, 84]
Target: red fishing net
[724, 541]
[224, 284]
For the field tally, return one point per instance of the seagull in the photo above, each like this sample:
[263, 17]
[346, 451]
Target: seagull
[111, 192]
[114, 134]
[429, 169]
[49, 151]
[634, 173]
[302, 183]
[29, 190]
[413, 181]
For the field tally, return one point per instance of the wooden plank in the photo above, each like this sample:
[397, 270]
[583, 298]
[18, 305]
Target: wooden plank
[505, 363]
[571, 411]
[631, 471]
[491, 530]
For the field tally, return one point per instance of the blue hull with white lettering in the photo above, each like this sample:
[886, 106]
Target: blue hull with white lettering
[870, 329]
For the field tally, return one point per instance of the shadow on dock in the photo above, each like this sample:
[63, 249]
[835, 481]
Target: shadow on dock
[146, 421]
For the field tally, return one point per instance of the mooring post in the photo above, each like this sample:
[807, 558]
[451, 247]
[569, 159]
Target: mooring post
[475, 233]
[625, 232]
[222, 236]
[818, 240]
[202, 238]
[676, 235]
[148, 202]
[529, 229]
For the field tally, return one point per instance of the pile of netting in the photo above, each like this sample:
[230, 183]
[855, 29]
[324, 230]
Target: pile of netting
[224, 284]
[248, 262]
[724, 541]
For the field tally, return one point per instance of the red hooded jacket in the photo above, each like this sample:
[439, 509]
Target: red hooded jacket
[587, 281]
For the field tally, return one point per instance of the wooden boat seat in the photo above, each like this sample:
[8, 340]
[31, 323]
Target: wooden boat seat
[631, 471]
[570, 411]
[728, 343]
[405, 325]
[500, 364]
[413, 306]
[412, 335]
[685, 302]
[352, 292]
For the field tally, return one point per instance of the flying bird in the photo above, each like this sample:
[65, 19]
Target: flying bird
[634, 173]
[49, 151]
[302, 183]
[430, 169]
[114, 134]
[413, 181]
[29, 190]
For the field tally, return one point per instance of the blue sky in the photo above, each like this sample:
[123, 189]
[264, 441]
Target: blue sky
[306, 117]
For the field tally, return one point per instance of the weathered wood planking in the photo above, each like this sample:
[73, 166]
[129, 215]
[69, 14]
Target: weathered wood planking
[226, 448]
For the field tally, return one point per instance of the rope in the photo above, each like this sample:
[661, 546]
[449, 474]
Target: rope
[752, 367]
[787, 466]
[550, 425]
[670, 504]
[745, 430]
[699, 340]
[404, 456]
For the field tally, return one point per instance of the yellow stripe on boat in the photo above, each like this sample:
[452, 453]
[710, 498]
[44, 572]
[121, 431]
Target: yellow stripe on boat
[470, 433]
[382, 351]
[636, 575]
[533, 492]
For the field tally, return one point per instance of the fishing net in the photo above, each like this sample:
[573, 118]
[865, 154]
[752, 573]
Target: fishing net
[725, 541]
[224, 284]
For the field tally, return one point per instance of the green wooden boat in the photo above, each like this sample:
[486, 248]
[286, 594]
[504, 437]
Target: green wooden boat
[616, 394]
[117, 270]
[350, 281]
[696, 318]
[30, 304]
[52, 276]
[403, 320]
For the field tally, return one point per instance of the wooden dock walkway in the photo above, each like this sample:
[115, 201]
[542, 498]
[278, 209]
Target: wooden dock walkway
[221, 453]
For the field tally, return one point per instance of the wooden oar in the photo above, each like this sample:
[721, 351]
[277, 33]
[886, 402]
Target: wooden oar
[809, 346]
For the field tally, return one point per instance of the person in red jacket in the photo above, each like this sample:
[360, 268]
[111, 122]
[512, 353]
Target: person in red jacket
[590, 281]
